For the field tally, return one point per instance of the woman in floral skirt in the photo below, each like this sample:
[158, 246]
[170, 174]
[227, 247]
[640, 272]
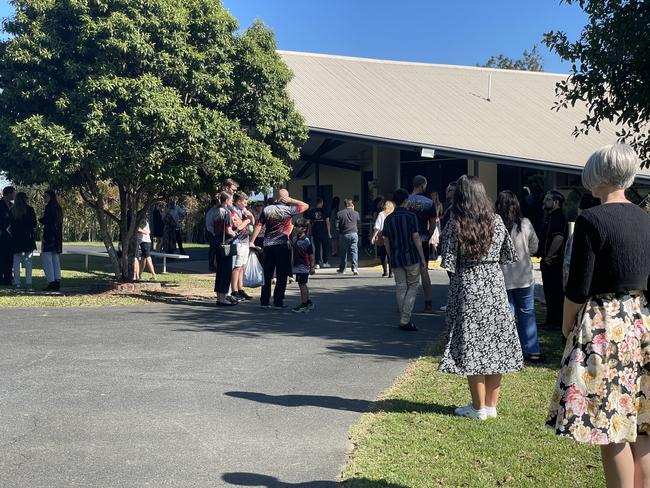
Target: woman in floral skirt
[482, 341]
[602, 394]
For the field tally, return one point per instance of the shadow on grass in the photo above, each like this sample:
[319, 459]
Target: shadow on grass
[255, 479]
[345, 404]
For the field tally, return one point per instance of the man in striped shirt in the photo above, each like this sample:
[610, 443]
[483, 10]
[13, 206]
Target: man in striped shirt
[404, 246]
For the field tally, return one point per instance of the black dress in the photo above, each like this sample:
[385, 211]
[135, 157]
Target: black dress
[23, 232]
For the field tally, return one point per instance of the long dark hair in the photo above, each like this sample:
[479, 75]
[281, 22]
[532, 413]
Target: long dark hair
[54, 203]
[336, 201]
[19, 208]
[509, 210]
[473, 214]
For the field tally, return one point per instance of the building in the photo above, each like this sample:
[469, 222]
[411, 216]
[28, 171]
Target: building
[375, 124]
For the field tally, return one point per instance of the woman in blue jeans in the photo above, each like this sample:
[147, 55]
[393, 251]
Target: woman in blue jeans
[519, 277]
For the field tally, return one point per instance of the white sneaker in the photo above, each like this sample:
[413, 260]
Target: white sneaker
[326, 265]
[355, 272]
[470, 412]
[443, 308]
[317, 266]
[491, 412]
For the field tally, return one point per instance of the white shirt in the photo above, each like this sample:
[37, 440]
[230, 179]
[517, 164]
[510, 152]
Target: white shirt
[144, 236]
[379, 223]
[520, 273]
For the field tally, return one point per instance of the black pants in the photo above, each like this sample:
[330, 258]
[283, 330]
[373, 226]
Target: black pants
[224, 274]
[212, 252]
[321, 248]
[553, 291]
[6, 262]
[179, 241]
[383, 257]
[277, 259]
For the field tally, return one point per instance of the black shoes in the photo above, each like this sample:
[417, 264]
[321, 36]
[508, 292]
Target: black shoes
[53, 286]
[408, 327]
[244, 296]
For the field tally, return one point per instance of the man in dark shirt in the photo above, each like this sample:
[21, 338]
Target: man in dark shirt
[321, 234]
[6, 253]
[404, 246]
[277, 224]
[552, 257]
[347, 221]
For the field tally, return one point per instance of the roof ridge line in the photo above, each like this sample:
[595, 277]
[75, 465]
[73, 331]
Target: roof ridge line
[419, 63]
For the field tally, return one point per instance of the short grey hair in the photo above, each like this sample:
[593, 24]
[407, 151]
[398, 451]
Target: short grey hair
[614, 164]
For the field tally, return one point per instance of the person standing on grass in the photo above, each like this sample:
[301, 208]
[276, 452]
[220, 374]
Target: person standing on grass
[519, 276]
[275, 220]
[178, 213]
[347, 222]
[209, 231]
[224, 234]
[143, 253]
[303, 263]
[552, 257]
[22, 226]
[321, 233]
[602, 393]
[169, 231]
[425, 212]
[482, 341]
[52, 241]
[6, 254]
[242, 220]
[158, 227]
[404, 248]
[378, 238]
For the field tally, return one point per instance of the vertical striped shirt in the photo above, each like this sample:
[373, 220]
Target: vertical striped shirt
[399, 228]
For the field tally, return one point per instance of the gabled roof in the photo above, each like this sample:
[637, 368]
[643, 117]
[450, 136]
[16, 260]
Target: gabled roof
[443, 106]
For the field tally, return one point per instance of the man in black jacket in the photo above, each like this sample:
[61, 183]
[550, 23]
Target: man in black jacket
[6, 256]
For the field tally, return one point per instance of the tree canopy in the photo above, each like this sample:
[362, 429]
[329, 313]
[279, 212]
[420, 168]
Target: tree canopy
[610, 69]
[156, 97]
[530, 61]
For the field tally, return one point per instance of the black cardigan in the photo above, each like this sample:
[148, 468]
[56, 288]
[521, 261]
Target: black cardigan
[23, 231]
[52, 229]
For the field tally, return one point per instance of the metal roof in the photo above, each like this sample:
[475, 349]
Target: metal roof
[444, 107]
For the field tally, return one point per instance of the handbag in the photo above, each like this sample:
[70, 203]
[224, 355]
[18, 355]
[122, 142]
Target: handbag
[227, 250]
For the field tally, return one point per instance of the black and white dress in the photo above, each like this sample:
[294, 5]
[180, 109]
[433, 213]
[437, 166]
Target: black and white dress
[482, 333]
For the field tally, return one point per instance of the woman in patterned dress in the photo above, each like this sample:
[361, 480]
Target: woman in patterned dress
[482, 341]
[602, 394]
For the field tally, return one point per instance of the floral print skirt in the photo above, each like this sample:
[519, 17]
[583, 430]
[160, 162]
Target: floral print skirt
[602, 394]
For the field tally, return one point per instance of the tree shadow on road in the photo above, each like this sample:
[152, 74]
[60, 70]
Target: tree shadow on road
[255, 479]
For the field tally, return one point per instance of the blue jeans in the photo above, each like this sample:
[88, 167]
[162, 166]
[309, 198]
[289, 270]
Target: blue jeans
[348, 243]
[522, 305]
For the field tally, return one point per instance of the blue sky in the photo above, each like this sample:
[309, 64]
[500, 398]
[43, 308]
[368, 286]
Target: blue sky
[463, 32]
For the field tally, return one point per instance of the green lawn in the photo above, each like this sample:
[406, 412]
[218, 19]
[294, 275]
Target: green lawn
[412, 439]
[81, 288]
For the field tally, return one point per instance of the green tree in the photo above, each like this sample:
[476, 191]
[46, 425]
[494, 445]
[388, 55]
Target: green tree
[152, 97]
[531, 61]
[610, 69]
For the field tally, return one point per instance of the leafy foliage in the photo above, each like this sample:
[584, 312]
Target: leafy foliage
[531, 61]
[154, 97]
[610, 69]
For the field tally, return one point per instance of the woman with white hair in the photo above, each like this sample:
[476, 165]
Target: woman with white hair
[602, 394]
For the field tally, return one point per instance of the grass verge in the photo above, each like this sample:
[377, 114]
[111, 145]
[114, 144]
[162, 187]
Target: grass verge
[412, 439]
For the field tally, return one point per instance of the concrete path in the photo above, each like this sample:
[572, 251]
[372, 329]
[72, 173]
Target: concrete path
[188, 395]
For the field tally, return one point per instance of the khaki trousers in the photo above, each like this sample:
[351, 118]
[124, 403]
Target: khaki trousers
[407, 282]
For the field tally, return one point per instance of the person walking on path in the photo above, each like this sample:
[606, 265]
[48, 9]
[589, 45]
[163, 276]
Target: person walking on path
[404, 247]
[224, 234]
[334, 231]
[378, 238]
[242, 219]
[52, 241]
[303, 264]
[347, 221]
[552, 257]
[6, 254]
[482, 341]
[602, 393]
[22, 226]
[276, 220]
[426, 215]
[519, 276]
[209, 231]
[321, 233]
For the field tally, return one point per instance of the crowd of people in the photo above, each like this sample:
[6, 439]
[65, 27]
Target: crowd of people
[18, 225]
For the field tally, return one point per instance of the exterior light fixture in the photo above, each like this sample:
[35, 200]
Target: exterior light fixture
[428, 153]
